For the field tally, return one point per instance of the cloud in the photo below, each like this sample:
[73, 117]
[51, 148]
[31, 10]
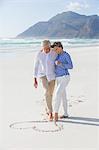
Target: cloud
[72, 6]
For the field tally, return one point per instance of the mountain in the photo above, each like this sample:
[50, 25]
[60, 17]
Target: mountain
[65, 25]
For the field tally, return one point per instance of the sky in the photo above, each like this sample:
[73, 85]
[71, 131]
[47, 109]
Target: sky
[18, 15]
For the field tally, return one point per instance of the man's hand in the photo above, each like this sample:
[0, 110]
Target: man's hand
[35, 83]
[57, 62]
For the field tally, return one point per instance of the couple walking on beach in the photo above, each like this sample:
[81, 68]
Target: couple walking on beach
[51, 66]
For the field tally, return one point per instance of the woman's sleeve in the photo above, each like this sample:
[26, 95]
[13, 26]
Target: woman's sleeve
[68, 64]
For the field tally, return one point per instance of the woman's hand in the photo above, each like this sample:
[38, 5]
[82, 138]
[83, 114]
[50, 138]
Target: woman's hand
[57, 62]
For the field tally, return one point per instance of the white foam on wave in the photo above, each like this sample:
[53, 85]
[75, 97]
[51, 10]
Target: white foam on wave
[31, 45]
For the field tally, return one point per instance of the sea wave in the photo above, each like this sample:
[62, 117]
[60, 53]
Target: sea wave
[30, 45]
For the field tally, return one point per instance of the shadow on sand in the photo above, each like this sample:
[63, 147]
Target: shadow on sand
[82, 121]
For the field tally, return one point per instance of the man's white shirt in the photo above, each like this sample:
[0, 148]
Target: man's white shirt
[44, 65]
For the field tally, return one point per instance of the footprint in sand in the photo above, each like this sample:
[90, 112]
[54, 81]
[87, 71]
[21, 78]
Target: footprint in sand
[72, 101]
[76, 100]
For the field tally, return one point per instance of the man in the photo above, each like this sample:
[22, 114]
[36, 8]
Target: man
[44, 69]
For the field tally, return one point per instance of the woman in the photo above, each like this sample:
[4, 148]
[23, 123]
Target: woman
[62, 64]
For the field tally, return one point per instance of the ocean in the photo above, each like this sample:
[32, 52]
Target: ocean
[17, 46]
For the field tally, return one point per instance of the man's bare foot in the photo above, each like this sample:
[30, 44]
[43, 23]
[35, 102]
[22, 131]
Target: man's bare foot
[56, 117]
[50, 116]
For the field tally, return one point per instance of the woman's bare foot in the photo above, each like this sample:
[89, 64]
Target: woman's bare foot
[63, 117]
[56, 117]
[50, 116]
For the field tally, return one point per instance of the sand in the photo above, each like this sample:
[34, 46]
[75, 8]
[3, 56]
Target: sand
[22, 104]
